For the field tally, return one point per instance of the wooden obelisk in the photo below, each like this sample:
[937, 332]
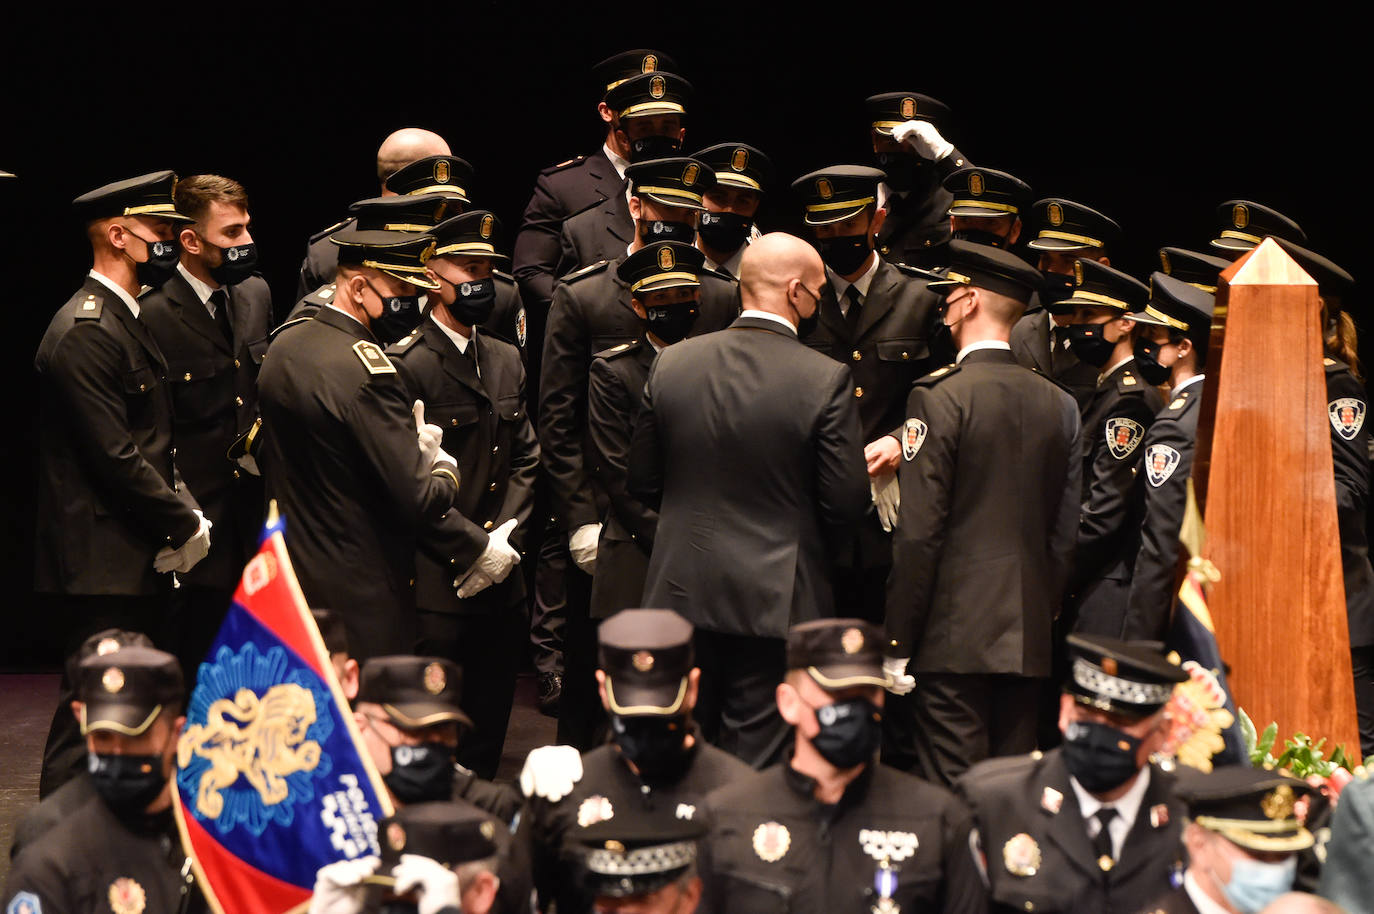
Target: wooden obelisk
[1264, 442]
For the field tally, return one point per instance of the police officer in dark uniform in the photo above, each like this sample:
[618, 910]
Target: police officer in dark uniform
[878, 319]
[727, 224]
[1171, 348]
[473, 387]
[656, 759]
[1066, 232]
[983, 437]
[1115, 421]
[915, 159]
[1245, 223]
[1193, 267]
[211, 321]
[602, 232]
[115, 520]
[119, 850]
[643, 860]
[343, 457]
[829, 829]
[1091, 826]
[664, 289]
[592, 312]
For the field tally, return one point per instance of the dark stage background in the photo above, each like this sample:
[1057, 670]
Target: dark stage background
[1152, 114]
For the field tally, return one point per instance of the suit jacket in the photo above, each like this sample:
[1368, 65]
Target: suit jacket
[109, 494]
[561, 190]
[1031, 797]
[341, 459]
[591, 312]
[1346, 409]
[1163, 483]
[985, 533]
[599, 233]
[1030, 343]
[487, 430]
[214, 400]
[614, 398]
[751, 442]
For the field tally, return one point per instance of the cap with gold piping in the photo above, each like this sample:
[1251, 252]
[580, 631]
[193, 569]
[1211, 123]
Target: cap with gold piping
[837, 653]
[414, 691]
[986, 192]
[661, 265]
[646, 655]
[1179, 306]
[1132, 678]
[834, 194]
[447, 175]
[1244, 224]
[738, 165]
[449, 833]
[1063, 225]
[1096, 284]
[124, 690]
[403, 213]
[677, 181]
[1256, 809]
[617, 68]
[658, 92]
[472, 234]
[990, 268]
[1194, 268]
[401, 255]
[888, 109]
[147, 195]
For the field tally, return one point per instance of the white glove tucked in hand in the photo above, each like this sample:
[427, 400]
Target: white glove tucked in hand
[582, 545]
[887, 498]
[550, 772]
[437, 884]
[339, 886]
[431, 438]
[493, 565]
[895, 668]
[184, 557]
[924, 138]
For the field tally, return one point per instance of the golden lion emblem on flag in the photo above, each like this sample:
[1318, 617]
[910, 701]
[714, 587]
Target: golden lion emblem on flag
[260, 739]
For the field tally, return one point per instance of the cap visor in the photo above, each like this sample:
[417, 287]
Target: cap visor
[1073, 301]
[663, 700]
[679, 202]
[1231, 244]
[1138, 712]
[847, 675]
[419, 280]
[945, 284]
[1141, 317]
[660, 285]
[648, 108]
[126, 719]
[1299, 841]
[737, 180]
[426, 714]
[1058, 244]
[977, 212]
[828, 216]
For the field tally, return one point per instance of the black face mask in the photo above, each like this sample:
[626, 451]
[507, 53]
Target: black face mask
[421, 773]
[1054, 287]
[1101, 758]
[236, 264]
[654, 147]
[654, 744]
[127, 783]
[161, 264]
[473, 301]
[978, 236]
[400, 315]
[724, 231]
[844, 254]
[851, 732]
[672, 323]
[1089, 342]
[658, 230]
[1146, 354]
[901, 169]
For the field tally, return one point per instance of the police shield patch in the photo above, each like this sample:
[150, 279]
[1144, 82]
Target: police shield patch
[913, 436]
[1347, 416]
[1160, 463]
[1123, 435]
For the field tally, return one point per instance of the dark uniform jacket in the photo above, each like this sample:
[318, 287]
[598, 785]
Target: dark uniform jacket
[916, 230]
[774, 848]
[751, 440]
[1163, 479]
[109, 494]
[487, 430]
[93, 862]
[990, 481]
[51, 810]
[1027, 816]
[1176, 901]
[548, 831]
[599, 233]
[886, 352]
[560, 191]
[214, 400]
[342, 461]
[592, 312]
[1115, 420]
[614, 398]
[1350, 453]
[1030, 343]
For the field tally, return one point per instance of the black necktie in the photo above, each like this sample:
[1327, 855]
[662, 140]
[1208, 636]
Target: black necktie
[1102, 842]
[851, 317]
[219, 299]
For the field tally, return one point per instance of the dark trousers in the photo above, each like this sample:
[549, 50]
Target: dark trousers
[581, 719]
[191, 626]
[547, 609]
[951, 720]
[737, 706]
[861, 593]
[488, 647]
[1362, 662]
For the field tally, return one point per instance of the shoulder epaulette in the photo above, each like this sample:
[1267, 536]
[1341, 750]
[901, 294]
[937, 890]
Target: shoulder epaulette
[90, 307]
[719, 275]
[575, 160]
[1053, 380]
[291, 323]
[585, 271]
[616, 352]
[501, 274]
[329, 231]
[938, 375]
[324, 293]
[405, 342]
[1177, 403]
[1334, 365]
[372, 357]
[916, 272]
[586, 209]
[1128, 383]
[1001, 768]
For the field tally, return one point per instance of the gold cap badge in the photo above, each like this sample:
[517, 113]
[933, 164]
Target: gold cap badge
[106, 646]
[657, 87]
[824, 188]
[1164, 261]
[441, 171]
[852, 641]
[908, 107]
[1278, 804]
[689, 175]
[975, 184]
[1240, 215]
[739, 158]
[485, 229]
[1078, 273]
[643, 660]
[434, 679]
[1055, 214]
[649, 64]
[113, 680]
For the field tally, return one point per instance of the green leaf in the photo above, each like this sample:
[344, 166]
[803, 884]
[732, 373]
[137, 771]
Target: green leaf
[1266, 740]
[1247, 733]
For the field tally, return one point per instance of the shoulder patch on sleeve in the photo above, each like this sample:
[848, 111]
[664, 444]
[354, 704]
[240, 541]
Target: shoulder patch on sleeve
[617, 351]
[89, 308]
[938, 375]
[913, 436]
[1160, 463]
[585, 271]
[1123, 436]
[1347, 416]
[372, 357]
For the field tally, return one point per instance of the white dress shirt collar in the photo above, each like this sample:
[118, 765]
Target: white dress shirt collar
[1110, 371]
[1188, 383]
[1127, 808]
[457, 338]
[770, 316]
[982, 344]
[840, 284]
[202, 290]
[107, 282]
[617, 162]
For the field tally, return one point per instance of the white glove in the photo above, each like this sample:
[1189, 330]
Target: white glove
[582, 545]
[436, 883]
[924, 138]
[550, 772]
[248, 464]
[895, 668]
[184, 557]
[887, 498]
[493, 565]
[431, 438]
[339, 886]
